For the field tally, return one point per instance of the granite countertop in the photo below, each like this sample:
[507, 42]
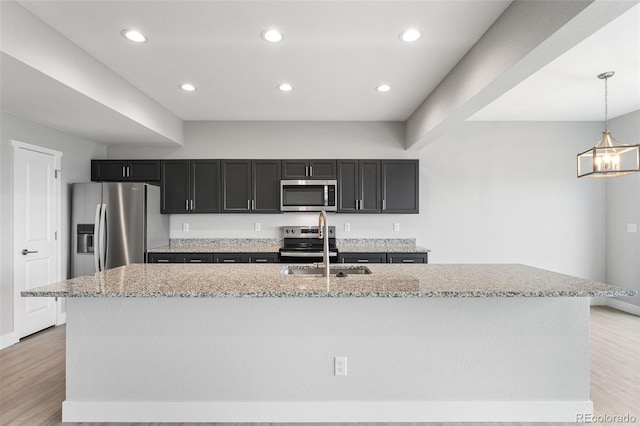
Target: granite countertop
[386, 280]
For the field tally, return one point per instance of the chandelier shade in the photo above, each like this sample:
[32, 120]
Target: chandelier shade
[608, 157]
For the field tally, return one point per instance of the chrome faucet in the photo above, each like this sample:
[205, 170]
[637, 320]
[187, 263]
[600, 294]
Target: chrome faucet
[323, 232]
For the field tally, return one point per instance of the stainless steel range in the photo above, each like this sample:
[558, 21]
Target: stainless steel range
[302, 245]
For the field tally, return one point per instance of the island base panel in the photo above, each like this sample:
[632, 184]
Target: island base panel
[271, 359]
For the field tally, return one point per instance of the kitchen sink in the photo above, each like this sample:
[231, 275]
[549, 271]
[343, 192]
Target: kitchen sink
[315, 270]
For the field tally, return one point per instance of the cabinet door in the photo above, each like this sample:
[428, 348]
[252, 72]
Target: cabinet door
[406, 257]
[400, 186]
[108, 170]
[369, 186]
[205, 186]
[164, 258]
[231, 258]
[174, 186]
[295, 169]
[348, 186]
[362, 258]
[322, 169]
[144, 170]
[266, 186]
[236, 185]
[198, 258]
[263, 257]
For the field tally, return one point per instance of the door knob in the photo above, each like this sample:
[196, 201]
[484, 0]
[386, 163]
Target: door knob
[26, 252]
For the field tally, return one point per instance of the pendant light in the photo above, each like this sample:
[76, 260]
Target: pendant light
[608, 157]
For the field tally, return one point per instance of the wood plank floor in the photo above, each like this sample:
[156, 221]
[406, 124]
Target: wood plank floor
[32, 374]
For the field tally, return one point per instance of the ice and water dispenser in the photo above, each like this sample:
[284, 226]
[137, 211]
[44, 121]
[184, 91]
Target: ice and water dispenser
[85, 238]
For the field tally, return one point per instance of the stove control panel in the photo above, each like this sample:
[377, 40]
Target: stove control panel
[305, 231]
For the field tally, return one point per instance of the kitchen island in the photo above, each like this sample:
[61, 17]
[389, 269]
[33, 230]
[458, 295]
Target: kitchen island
[245, 343]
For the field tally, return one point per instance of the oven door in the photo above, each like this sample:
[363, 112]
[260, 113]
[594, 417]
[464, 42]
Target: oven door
[294, 256]
[308, 195]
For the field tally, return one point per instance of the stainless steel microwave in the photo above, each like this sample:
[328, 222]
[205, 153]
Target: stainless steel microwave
[308, 195]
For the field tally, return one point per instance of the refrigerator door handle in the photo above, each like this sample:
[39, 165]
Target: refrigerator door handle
[103, 237]
[96, 230]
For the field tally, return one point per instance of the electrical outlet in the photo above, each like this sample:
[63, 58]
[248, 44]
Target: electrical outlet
[340, 366]
[396, 226]
[632, 227]
[257, 226]
[185, 227]
[347, 227]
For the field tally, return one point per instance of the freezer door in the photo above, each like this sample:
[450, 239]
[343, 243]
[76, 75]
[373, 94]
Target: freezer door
[125, 227]
[85, 199]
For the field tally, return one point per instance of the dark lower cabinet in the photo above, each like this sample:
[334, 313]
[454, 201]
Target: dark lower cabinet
[246, 257]
[362, 257]
[407, 257]
[212, 258]
[251, 186]
[125, 170]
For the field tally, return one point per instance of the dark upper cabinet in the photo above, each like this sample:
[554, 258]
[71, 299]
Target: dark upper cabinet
[359, 186]
[400, 191]
[190, 186]
[125, 170]
[251, 186]
[308, 169]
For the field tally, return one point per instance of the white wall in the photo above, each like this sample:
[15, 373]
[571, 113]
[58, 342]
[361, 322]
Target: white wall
[77, 153]
[623, 208]
[489, 192]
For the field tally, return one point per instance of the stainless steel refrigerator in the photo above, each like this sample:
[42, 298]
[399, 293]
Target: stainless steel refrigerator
[114, 224]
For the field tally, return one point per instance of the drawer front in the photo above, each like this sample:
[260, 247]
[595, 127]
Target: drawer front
[363, 258]
[198, 258]
[231, 258]
[406, 257]
[263, 257]
[164, 258]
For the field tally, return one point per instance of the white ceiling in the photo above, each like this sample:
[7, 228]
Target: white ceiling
[567, 89]
[334, 53]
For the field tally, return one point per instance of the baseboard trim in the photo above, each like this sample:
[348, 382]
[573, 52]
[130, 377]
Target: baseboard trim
[343, 411]
[624, 306]
[8, 339]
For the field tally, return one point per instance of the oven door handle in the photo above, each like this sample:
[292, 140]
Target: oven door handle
[306, 254]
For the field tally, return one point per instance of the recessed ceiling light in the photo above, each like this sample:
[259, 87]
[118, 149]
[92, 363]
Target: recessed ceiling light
[272, 36]
[410, 35]
[134, 35]
[285, 87]
[188, 87]
[383, 88]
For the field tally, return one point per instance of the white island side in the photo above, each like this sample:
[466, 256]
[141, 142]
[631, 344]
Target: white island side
[243, 343]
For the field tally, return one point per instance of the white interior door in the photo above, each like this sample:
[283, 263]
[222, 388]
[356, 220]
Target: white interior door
[35, 249]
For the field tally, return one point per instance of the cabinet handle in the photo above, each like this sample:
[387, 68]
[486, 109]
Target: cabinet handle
[163, 260]
[384, 204]
[186, 204]
[248, 204]
[124, 171]
[195, 260]
[407, 260]
[306, 171]
[310, 170]
[260, 260]
[363, 260]
[253, 204]
[228, 260]
[360, 205]
[357, 204]
[128, 171]
[191, 204]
